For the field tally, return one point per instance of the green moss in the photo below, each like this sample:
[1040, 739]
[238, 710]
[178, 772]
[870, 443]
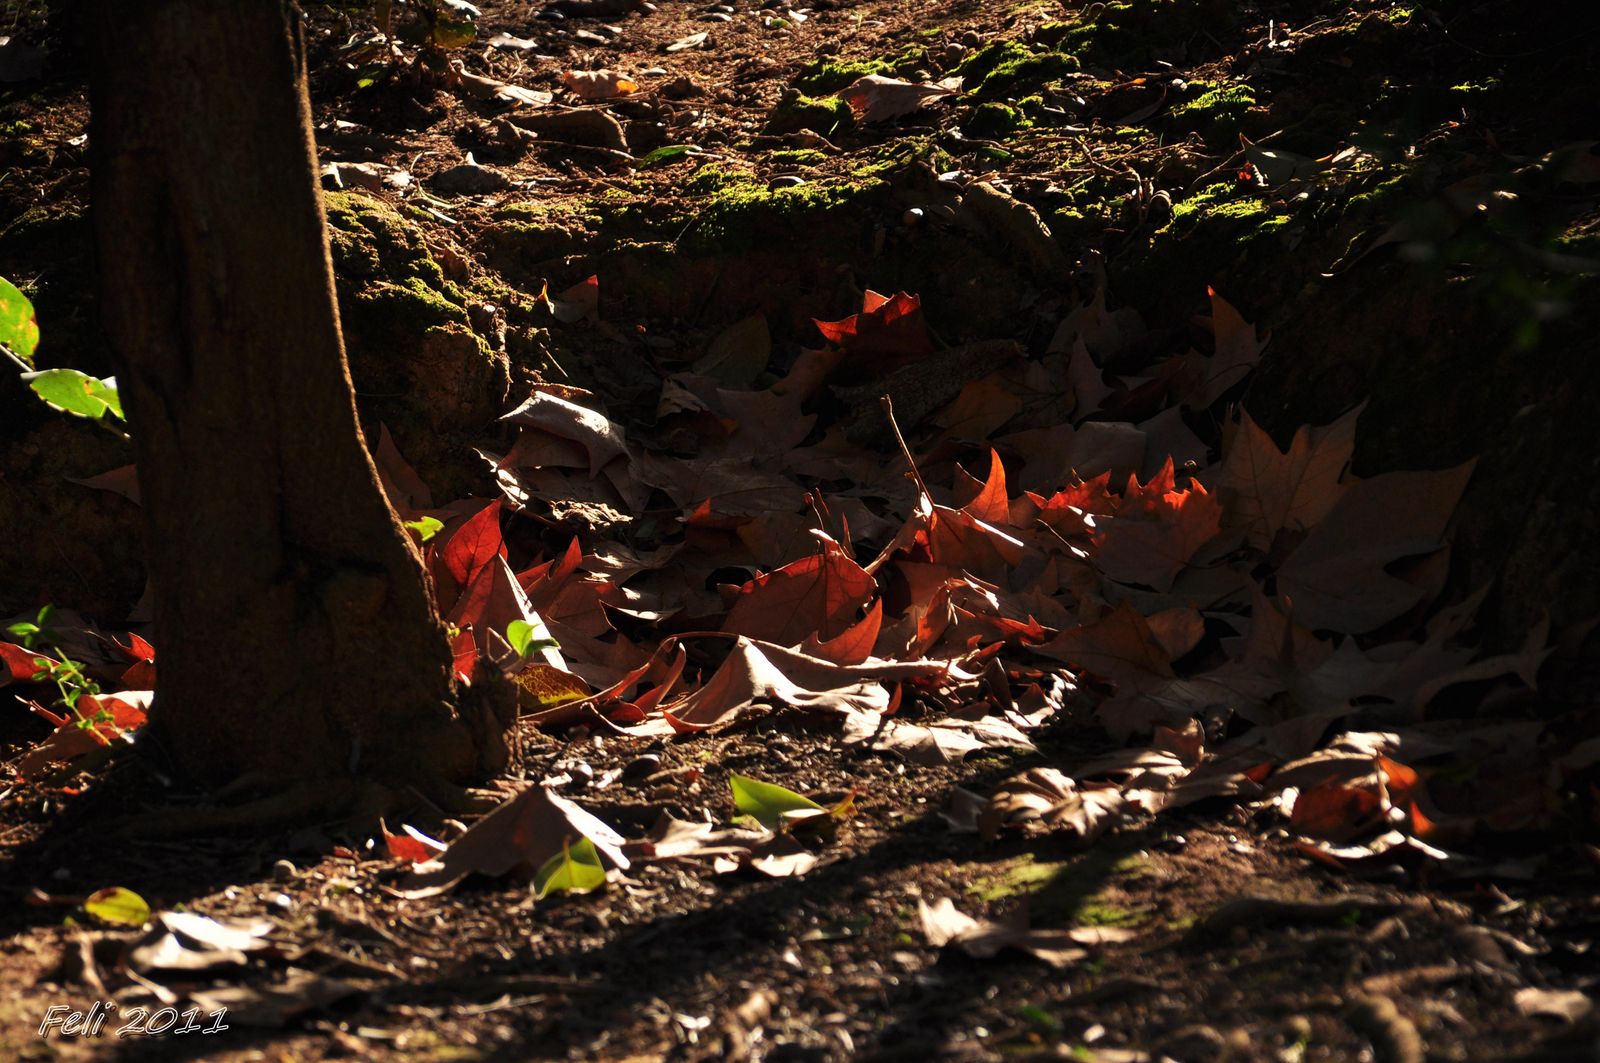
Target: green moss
[1217, 202]
[994, 120]
[1122, 34]
[1216, 113]
[1476, 92]
[370, 240]
[392, 292]
[826, 116]
[746, 213]
[1065, 891]
[798, 157]
[713, 178]
[543, 212]
[983, 62]
[1026, 73]
[1098, 913]
[827, 75]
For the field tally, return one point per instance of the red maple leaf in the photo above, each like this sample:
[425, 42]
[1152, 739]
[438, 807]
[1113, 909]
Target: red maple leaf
[886, 325]
[817, 595]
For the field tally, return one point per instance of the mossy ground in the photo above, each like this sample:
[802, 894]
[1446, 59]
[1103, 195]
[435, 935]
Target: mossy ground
[1080, 892]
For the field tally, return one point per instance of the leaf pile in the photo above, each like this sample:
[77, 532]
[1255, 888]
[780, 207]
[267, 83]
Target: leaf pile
[1264, 624]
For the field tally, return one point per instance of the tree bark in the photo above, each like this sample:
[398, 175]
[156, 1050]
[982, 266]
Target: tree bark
[295, 629]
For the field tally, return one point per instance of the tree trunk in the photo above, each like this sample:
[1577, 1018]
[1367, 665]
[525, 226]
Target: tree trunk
[296, 633]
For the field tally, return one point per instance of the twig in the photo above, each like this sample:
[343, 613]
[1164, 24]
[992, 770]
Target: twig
[888, 411]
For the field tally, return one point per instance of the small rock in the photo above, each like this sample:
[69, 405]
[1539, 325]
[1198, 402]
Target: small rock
[680, 88]
[971, 39]
[787, 180]
[281, 902]
[717, 16]
[469, 178]
[953, 54]
[913, 217]
[283, 871]
[640, 766]
[1196, 1044]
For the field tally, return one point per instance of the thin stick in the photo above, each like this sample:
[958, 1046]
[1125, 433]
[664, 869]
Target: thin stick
[888, 411]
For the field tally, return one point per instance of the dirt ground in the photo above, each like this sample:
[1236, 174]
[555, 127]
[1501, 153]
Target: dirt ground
[1225, 937]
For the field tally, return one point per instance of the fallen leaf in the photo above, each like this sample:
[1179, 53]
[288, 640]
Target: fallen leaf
[1568, 1005]
[601, 439]
[598, 84]
[887, 324]
[875, 98]
[523, 833]
[1336, 579]
[943, 924]
[1237, 350]
[816, 596]
[1266, 491]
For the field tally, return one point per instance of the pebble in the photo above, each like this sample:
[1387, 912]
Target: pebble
[787, 180]
[971, 39]
[953, 54]
[641, 766]
[283, 871]
[913, 217]
[717, 16]
[281, 902]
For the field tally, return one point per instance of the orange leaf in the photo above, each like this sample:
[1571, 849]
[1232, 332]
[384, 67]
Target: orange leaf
[886, 325]
[992, 504]
[817, 595]
[1335, 812]
[852, 646]
[1119, 646]
[18, 663]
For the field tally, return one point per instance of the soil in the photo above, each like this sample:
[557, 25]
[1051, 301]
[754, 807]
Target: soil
[1138, 161]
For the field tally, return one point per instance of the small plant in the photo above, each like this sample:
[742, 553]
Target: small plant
[66, 390]
[71, 681]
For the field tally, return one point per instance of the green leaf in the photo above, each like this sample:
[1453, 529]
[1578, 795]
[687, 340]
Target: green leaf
[449, 34]
[670, 151]
[769, 804]
[19, 328]
[118, 906]
[77, 393]
[425, 527]
[575, 869]
[22, 630]
[525, 637]
[106, 391]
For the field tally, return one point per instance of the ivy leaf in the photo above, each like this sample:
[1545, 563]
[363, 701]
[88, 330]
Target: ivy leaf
[118, 906]
[19, 328]
[769, 804]
[526, 638]
[575, 869]
[77, 393]
[425, 527]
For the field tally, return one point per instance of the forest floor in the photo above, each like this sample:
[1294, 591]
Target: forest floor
[1223, 764]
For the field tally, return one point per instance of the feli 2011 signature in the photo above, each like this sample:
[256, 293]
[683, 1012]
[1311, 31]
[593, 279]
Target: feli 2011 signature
[63, 1021]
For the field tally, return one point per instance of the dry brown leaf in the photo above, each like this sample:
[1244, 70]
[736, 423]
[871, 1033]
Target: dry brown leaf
[598, 84]
[1266, 491]
[602, 439]
[1336, 579]
[521, 833]
[943, 924]
[875, 98]
[1238, 349]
